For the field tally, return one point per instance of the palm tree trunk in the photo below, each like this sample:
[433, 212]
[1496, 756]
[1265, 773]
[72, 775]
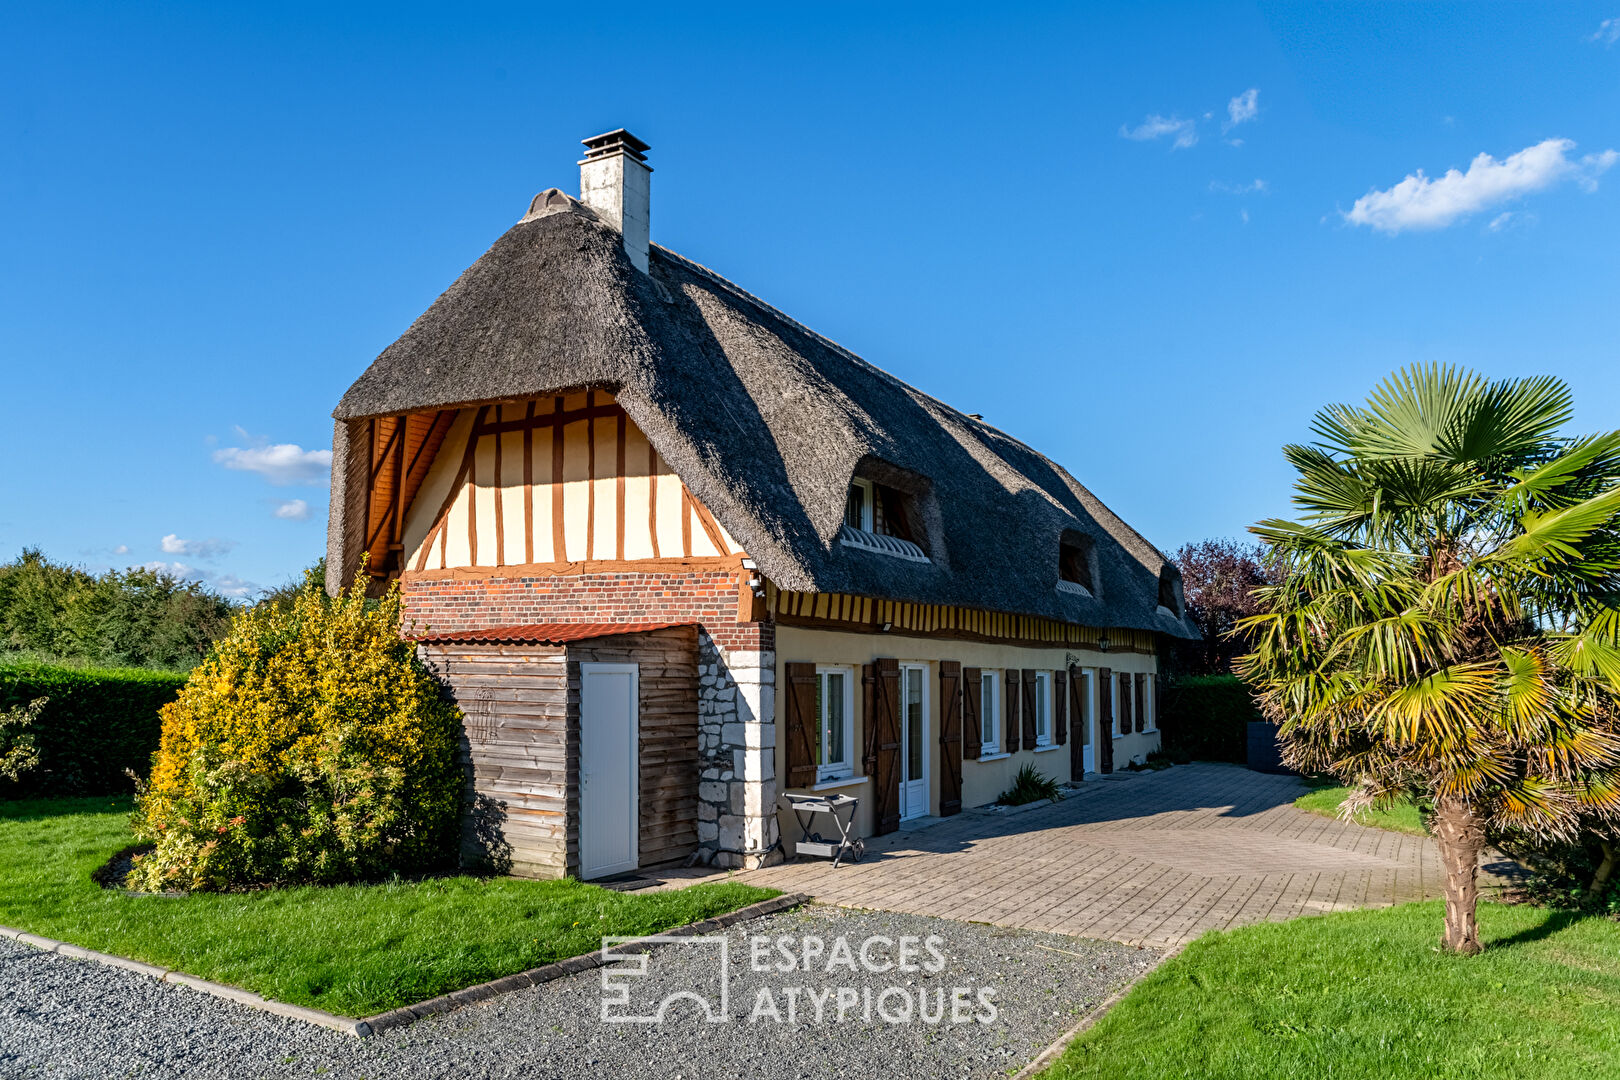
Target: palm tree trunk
[1605, 868]
[1460, 834]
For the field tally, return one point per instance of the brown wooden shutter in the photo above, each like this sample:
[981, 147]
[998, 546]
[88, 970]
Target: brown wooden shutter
[950, 737]
[1125, 703]
[1105, 720]
[1141, 701]
[1077, 711]
[880, 681]
[1010, 696]
[801, 725]
[972, 710]
[1029, 708]
[1060, 707]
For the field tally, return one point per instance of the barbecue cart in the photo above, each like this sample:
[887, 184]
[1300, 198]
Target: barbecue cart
[812, 810]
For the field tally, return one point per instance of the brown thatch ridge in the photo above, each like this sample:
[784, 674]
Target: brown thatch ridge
[764, 419]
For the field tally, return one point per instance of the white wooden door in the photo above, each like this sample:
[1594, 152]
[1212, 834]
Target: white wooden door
[913, 741]
[608, 726]
[1088, 723]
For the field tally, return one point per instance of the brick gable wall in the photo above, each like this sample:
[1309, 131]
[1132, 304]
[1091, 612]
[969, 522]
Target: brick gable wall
[705, 597]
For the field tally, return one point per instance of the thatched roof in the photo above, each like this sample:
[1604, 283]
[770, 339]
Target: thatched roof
[765, 420]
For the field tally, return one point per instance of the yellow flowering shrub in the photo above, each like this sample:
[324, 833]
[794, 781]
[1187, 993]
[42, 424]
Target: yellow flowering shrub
[310, 746]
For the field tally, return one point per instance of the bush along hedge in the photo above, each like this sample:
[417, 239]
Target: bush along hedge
[94, 725]
[1206, 717]
[310, 747]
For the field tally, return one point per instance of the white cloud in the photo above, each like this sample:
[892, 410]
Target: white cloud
[1608, 32]
[293, 510]
[1185, 132]
[282, 464]
[1253, 187]
[1244, 107]
[1419, 202]
[224, 584]
[207, 550]
[1245, 214]
[121, 549]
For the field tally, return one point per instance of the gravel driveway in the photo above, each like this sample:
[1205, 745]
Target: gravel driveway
[66, 1018]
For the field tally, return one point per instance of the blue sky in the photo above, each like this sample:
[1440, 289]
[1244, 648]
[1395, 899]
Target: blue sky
[1150, 240]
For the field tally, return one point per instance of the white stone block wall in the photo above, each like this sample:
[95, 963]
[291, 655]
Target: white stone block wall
[737, 756]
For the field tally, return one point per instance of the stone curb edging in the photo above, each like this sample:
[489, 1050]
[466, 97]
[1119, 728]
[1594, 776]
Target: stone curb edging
[344, 1024]
[409, 1014]
[1047, 1057]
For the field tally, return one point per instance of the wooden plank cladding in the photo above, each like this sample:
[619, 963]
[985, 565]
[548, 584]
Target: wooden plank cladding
[520, 746]
[558, 480]
[866, 614]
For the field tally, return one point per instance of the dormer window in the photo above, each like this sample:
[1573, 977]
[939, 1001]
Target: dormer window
[1170, 590]
[859, 507]
[880, 518]
[1074, 565]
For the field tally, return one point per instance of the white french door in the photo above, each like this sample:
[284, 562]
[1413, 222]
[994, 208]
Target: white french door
[1088, 723]
[608, 767]
[913, 740]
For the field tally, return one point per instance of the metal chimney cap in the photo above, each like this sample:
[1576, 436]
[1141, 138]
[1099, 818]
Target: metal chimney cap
[615, 142]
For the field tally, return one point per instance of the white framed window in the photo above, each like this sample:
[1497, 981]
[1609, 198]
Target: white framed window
[1043, 708]
[989, 714]
[861, 501]
[835, 723]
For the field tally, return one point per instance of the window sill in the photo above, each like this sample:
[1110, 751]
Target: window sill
[1046, 748]
[838, 782]
[999, 755]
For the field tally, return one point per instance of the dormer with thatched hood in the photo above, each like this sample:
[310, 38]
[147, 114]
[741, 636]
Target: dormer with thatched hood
[589, 431]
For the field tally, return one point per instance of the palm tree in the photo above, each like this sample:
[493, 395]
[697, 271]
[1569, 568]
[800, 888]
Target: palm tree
[1446, 622]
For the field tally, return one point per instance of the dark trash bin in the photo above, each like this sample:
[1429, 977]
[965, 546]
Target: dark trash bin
[1265, 749]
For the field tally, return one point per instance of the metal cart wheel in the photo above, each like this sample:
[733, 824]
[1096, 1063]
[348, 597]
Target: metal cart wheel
[857, 851]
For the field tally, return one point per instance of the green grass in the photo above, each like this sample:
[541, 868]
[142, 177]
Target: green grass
[1367, 994]
[1401, 817]
[353, 950]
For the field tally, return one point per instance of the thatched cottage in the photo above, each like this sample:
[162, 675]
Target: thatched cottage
[676, 554]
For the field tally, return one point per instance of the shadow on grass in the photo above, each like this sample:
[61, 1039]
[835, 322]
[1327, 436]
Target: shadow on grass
[1556, 921]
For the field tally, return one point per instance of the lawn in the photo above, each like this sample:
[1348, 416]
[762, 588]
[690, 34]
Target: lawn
[1367, 994]
[1403, 816]
[353, 950]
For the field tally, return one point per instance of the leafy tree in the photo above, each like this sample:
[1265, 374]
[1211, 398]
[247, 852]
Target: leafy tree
[1446, 623]
[1219, 578]
[135, 617]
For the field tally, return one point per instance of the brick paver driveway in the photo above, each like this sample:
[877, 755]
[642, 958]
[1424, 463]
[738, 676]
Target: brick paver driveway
[1154, 859]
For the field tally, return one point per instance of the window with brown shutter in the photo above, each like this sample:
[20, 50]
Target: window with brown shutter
[801, 725]
[1105, 720]
[972, 712]
[1010, 696]
[1125, 703]
[951, 723]
[1030, 736]
[880, 681]
[1060, 708]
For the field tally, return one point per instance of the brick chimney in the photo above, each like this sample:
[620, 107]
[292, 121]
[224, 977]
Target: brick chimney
[615, 181]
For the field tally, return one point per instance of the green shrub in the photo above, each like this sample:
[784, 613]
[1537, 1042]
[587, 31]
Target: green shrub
[310, 747]
[1030, 785]
[1206, 717]
[96, 725]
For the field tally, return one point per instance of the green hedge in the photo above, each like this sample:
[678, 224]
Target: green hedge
[98, 723]
[1207, 717]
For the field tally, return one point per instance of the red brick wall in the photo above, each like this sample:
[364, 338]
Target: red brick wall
[705, 597]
